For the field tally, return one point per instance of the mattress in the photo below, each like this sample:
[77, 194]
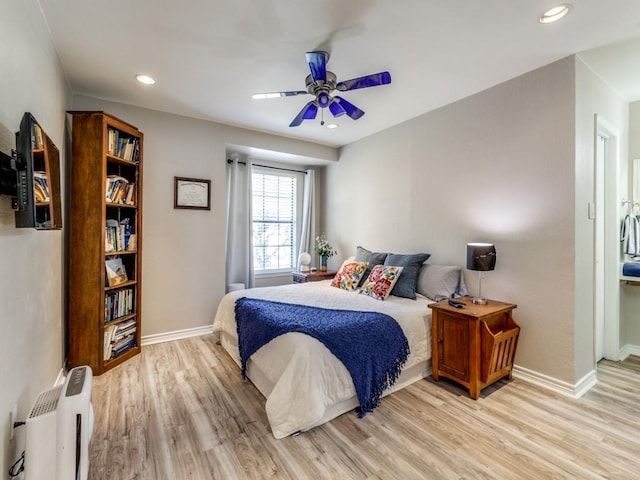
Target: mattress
[304, 384]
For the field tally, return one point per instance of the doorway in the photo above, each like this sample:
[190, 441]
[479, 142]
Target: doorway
[598, 278]
[606, 289]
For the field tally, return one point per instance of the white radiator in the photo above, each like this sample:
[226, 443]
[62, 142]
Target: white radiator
[59, 429]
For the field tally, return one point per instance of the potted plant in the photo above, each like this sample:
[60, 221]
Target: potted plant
[324, 250]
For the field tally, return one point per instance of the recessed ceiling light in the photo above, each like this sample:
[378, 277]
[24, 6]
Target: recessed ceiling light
[555, 13]
[146, 79]
[332, 125]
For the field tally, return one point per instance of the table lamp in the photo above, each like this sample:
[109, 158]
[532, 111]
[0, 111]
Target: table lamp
[482, 258]
[304, 260]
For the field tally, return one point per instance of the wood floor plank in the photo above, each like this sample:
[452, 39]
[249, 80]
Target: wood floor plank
[181, 410]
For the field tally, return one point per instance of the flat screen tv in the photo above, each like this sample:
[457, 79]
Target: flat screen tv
[37, 166]
[7, 175]
[26, 142]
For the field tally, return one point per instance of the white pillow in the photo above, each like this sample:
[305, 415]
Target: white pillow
[438, 282]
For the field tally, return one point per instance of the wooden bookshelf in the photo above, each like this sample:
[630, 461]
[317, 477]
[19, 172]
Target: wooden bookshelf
[104, 147]
[46, 161]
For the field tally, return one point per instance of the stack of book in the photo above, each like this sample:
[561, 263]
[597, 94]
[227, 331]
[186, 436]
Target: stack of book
[120, 190]
[41, 187]
[118, 304]
[123, 146]
[119, 338]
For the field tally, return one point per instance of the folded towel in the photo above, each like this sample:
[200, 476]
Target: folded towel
[631, 269]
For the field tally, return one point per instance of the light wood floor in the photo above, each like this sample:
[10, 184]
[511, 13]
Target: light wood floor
[181, 411]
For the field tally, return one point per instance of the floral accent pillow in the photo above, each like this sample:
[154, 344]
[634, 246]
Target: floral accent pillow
[349, 275]
[381, 281]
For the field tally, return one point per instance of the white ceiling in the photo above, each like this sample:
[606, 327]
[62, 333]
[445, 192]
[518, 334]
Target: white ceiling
[210, 56]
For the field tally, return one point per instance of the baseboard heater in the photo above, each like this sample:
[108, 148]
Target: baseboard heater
[59, 428]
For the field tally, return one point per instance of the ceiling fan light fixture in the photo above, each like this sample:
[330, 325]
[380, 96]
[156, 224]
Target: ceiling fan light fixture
[146, 79]
[555, 13]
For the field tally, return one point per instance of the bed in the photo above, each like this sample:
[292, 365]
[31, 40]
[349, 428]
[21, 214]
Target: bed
[304, 383]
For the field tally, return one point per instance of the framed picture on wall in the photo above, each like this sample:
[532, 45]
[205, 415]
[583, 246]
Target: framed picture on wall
[193, 193]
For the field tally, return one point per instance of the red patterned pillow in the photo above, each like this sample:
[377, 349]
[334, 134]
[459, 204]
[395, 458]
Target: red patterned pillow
[381, 281]
[349, 275]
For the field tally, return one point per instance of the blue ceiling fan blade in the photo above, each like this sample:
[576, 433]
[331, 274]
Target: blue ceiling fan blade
[317, 65]
[350, 109]
[335, 108]
[373, 80]
[308, 112]
[262, 96]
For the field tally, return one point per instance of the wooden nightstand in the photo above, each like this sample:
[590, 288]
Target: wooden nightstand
[304, 277]
[475, 345]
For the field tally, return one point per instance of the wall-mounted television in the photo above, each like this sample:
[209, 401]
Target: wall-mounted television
[32, 177]
[8, 174]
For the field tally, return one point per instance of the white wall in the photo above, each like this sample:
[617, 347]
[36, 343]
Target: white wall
[595, 97]
[183, 252]
[31, 262]
[497, 167]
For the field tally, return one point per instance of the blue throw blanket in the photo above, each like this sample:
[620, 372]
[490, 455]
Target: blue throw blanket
[371, 345]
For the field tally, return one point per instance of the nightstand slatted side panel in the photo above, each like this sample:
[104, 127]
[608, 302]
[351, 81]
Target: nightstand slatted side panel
[498, 351]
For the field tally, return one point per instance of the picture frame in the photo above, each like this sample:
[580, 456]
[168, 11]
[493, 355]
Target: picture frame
[192, 193]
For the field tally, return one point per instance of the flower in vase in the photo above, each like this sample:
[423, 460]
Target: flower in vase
[323, 247]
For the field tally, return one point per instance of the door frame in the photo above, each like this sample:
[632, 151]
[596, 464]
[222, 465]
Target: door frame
[611, 278]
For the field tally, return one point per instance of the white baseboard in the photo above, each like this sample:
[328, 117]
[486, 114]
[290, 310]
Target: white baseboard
[629, 350]
[558, 386]
[176, 335]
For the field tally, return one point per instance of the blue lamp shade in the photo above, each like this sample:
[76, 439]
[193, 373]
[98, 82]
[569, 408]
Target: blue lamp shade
[481, 256]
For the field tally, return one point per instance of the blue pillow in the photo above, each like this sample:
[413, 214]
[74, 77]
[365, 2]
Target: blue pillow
[374, 258]
[406, 284]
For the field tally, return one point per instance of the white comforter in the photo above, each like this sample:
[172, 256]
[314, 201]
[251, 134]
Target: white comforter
[304, 383]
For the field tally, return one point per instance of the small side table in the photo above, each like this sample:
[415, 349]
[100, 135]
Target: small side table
[475, 346]
[304, 277]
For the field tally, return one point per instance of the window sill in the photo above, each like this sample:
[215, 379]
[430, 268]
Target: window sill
[273, 274]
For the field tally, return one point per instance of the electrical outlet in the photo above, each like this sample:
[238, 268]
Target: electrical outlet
[13, 418]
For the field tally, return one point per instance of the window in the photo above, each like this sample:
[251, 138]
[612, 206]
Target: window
[274, 207]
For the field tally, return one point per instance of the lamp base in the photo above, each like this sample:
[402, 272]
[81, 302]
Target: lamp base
[479, 301]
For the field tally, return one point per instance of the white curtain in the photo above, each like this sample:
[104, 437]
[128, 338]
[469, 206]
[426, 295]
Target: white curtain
[307, 225]
[239, 247]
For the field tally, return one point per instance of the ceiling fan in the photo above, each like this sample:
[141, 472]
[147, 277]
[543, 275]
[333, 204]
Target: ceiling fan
[320, 83]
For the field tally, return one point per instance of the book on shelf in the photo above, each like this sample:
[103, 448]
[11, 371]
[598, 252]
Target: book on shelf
[133, 240]
[116, 273]
[37, 140]
[119, 338]
[123, 146]
[119, 190]
[124, 331]
[118, 304]
[109, 332]
[117, 236]
[41, 187]
[117, 351]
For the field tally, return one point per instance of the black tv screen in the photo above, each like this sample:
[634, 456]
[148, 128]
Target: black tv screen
[7, 176]
[25, 143]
